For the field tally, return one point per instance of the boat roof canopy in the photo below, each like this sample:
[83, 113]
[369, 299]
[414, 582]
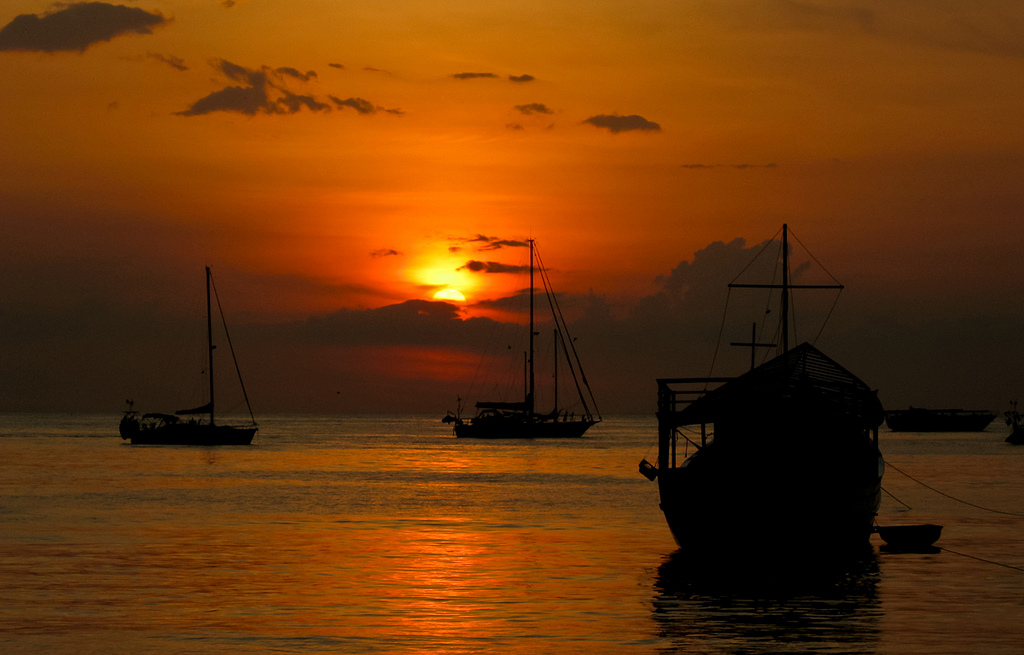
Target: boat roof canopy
[802, 374]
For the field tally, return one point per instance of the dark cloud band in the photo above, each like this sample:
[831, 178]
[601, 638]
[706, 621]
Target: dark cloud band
[76, 27]
[615, 124]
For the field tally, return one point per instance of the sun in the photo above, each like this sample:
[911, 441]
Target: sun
[449, 294]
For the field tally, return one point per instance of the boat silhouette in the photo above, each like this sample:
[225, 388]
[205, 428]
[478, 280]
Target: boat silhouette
[786, 454]
[170, 429]
[519, 419]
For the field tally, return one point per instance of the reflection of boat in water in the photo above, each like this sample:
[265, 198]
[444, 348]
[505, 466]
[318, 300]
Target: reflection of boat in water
[916, 419]
[170, 429]
[786, 454]
[1016, 428]
[519, 419]
[722, 607]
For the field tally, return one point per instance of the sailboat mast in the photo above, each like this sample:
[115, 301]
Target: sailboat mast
[556, 370]
[209, 340]
[529, 395]
[785, 288]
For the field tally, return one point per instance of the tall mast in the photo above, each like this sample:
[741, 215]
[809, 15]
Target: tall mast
[529, 395]
[785, 288]
[209, 340]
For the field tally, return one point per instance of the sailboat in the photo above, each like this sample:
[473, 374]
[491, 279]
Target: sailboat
[786, 454]
[520, 419]
[171, 429]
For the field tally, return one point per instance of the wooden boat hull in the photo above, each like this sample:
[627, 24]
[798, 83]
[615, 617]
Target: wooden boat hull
[186, 434]
[725, 502]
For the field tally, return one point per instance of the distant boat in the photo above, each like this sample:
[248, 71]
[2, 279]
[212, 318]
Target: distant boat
[1016, 428]
[170, 429]
[786, 453]
[916, 419]
[519, 419]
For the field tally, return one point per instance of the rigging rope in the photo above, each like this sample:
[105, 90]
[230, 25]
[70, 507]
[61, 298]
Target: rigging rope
[718, 341]
[827, 316]
[942, 493]
[563, 328]
[238, 371]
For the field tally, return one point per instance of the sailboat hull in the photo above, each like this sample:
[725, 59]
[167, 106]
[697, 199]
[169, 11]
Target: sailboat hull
[186, 434]
[164, 429]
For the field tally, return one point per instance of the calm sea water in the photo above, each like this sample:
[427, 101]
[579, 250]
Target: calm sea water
[387, 535]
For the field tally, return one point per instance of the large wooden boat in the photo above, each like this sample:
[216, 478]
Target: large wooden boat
[786, 455]
[518, 419]
[170, 429]
[916, 419]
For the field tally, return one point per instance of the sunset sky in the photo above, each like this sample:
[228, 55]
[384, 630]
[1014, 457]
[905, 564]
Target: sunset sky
[337, 164]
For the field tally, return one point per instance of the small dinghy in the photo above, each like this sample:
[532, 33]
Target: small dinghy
[910, 538]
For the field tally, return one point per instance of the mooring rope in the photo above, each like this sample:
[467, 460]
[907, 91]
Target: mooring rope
[942, 493]
[889, 494]
[981, 559]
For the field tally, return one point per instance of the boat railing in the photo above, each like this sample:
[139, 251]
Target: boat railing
[674, 394]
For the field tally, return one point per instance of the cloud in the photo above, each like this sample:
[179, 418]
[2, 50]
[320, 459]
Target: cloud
[338, 66]
[514, 126]
[172, 61]
[360, 105]
[533, 108]
[473, 76]
[297, 74]
[244, 100]
[616, 124]
[293, 103]
[491, 267]
[364, 106]
[385, 252]
[240, 73]
[264, 91]
[75, 27]
[484, 242]
[521, 78]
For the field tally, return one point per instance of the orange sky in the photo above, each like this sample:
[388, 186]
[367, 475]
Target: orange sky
[327, 157]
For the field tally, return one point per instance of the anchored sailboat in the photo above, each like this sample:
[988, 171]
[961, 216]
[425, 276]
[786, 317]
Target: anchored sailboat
[170, 429]
[785, 453]
[519, 419]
